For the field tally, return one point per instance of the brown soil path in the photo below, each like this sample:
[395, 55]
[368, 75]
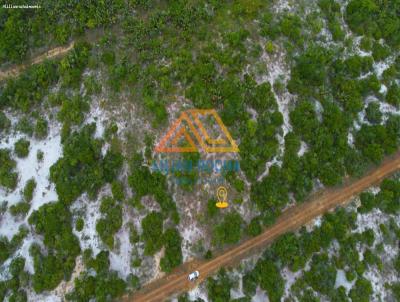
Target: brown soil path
[290, 220]
[55, 52]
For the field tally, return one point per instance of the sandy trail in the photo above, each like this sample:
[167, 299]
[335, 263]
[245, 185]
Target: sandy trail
[52, 53]
[290, 220]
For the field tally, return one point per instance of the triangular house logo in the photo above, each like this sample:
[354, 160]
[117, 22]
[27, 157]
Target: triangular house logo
[188, 134]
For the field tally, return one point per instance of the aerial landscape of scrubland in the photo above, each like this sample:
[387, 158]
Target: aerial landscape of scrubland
[121, 122]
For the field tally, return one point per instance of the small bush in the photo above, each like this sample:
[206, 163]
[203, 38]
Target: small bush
[107, 226]
[393, 95]
[374, 115]
[8, 178]
[72, 110]
[21, 208]
[41, 128]
[4, 122]
[380, 52]
[366, 44]
[108, 58]
[92, 86]
[173, 253]
[117, 190]
[79, 224]
[39, 155]
[3, 207]
[21, 148]
[25, 126]
[30, 187]
[157, 108]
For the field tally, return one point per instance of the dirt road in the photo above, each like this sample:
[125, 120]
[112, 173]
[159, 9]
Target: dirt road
[55, 52]
[290, 220]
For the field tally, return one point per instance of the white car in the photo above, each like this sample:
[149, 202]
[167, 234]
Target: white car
[193, 276]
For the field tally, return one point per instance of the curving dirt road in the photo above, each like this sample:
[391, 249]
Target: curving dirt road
[55, 52]
[290, 220]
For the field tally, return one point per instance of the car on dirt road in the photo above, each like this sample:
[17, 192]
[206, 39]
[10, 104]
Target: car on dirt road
[193, 276]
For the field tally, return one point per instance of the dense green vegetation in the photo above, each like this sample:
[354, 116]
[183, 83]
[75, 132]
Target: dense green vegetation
[374, 19]
[266, 274]
[387, 200]
[19, 278]
[5, 123]
[8, 247]
[173, 254]
[25, 126]
[41, 128]
[53, 221]
[259, 132]
[20, 209]
[106, 227]
[71, 67]
[373, 113]
[331, 10]
[320, 75]
[8, 176]
[144, 182]
[104, 285]
[29, 89]
[72, 110]
[376, 141]
[21, 148]
[29, 188]
[155, 238]
[219, 289]
[53, 23]
[229, 230]
[82, 167]
[393, 95]
[152, 226]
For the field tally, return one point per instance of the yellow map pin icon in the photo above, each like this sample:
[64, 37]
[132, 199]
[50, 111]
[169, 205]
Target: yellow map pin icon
[222, 195]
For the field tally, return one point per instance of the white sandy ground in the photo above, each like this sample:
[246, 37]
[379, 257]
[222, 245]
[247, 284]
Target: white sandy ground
[237, 292]
[283, 6]
[260, 296]
[190, 234]
[88, 237]
[120, 261]
[291, 278]
[191, 231]
[28, 168]
[341, 280]
[99, 117]
[198, 292]
[303, 149]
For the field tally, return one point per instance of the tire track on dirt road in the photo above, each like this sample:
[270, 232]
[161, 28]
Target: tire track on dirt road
[290, 220]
